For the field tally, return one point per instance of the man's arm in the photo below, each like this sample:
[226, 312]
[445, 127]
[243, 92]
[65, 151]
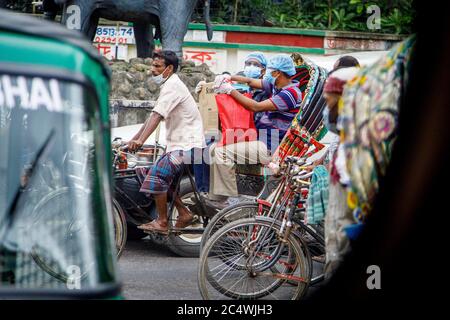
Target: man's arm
[146, 130]
[254, 83]
[138, 134]
[252, 105]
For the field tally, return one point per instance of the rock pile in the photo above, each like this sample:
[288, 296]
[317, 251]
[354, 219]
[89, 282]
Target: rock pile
[132, 80]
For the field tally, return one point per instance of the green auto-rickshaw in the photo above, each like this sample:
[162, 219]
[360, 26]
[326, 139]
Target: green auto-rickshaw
[57, 220]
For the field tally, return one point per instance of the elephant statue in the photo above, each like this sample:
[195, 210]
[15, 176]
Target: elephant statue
[169, 17]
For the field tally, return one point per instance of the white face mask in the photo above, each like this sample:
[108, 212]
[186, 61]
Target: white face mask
[159, 79]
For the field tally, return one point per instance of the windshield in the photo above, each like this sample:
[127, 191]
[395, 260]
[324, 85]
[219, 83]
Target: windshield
[48, 185]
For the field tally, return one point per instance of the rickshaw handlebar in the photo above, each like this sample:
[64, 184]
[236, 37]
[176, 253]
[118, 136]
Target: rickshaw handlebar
[298, 161]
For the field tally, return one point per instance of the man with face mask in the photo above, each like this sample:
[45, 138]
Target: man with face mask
[283, 100]
[278, 112]
[255, 68]
[184, 132]
[255, 65]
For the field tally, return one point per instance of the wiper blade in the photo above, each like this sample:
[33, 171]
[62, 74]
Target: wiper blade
[10, 212]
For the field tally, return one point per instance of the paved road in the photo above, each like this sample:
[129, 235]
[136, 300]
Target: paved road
[152, 272]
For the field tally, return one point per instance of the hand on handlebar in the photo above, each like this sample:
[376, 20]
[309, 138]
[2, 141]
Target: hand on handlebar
[134, 145]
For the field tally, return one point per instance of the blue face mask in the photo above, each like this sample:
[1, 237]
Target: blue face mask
[159, 79]
[252, 72]
[326, 121]
[269, 78]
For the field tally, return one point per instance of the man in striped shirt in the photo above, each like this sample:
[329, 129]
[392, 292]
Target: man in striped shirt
[286, 100]
[279, 110]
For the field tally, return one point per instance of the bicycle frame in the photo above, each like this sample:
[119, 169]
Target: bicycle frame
[187, 171]
[288, 225]
[129, 173]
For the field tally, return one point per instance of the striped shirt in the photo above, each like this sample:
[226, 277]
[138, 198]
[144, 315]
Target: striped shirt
[287, 101]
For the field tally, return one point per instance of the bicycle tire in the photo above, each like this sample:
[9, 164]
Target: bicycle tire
[184, 245]
[228, 215]
[46, 264]
[298, 248]
[120, 227]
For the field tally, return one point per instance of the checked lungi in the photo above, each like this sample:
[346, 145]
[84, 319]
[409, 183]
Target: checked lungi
[163, 176]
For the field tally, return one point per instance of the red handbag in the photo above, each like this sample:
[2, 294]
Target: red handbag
[236, 122]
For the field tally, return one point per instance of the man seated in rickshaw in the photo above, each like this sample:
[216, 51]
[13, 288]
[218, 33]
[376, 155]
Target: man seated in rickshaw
[184, 132]
[278, 112]
[254, 67]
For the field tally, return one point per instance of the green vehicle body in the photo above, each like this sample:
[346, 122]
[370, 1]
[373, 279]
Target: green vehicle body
[35, 48]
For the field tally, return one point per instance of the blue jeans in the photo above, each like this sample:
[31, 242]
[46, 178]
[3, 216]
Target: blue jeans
[201, 171]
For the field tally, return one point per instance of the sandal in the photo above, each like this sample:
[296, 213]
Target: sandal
[153, 227]
[180, 224]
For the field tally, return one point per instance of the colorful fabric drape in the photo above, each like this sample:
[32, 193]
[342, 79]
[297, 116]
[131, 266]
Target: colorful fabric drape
[368, 117]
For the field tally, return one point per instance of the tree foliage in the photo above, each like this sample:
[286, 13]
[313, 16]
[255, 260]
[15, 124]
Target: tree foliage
[345, 15]
[18, 5]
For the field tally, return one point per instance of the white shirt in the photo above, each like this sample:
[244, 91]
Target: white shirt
[333, 146]
[341, 166]
[184, 126]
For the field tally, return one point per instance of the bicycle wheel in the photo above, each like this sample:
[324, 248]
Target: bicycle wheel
[120, 227]
[55, 221]
[241, 211]
[54, 215]
[185, 244]
[247, 209]
[235, 263]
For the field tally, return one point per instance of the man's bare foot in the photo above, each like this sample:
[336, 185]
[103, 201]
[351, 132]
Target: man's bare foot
[183, 223]
[155, 226]
[184, 212]
[184, 219]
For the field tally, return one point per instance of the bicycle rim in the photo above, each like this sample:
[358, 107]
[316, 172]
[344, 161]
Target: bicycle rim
[224, 271]
[230, 214]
